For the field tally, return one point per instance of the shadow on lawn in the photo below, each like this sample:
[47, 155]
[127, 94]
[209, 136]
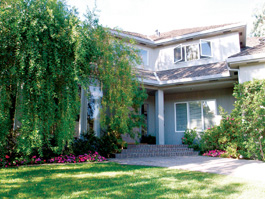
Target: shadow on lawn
[110, 180]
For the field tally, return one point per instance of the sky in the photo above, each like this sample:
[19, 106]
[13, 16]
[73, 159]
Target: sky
[147, 16]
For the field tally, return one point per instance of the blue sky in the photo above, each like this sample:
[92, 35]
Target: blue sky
[145, 16]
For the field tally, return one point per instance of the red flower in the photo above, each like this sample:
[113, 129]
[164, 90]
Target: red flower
[7, 157]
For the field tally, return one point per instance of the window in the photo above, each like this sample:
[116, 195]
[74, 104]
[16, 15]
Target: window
[195, 114]
[178, 53]
[193, 52]
[144, 56]
[206, 48]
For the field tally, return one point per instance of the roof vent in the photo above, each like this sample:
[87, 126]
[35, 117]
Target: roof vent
[157, 33]
[227, 31]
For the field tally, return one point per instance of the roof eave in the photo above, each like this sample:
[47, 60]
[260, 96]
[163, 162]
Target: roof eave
[235, 62]
[216, 77]
[152, 43]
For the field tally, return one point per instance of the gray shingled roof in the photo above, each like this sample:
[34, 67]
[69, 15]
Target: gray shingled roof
[174, 33]
[251, 51]
[185, 72]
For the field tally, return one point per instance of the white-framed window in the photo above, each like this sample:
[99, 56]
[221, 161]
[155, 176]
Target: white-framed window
[178, 53]
[192, 52]
[194, 114]
[196, 51]
[206, 48]
[145, 56]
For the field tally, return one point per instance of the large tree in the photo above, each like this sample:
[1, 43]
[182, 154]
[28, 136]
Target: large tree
[259, 22]
[45, 53]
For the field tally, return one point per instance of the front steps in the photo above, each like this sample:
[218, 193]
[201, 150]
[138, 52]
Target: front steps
[144, 150]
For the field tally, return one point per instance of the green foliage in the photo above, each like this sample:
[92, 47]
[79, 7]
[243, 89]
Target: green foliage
[227, 136]
[109, 60]
[87, 142]
[37, 76]
[106, 145]
[242, 132]
[191, 139]
[259, 21]
[45, 53]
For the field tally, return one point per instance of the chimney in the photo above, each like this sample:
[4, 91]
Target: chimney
[157, 33]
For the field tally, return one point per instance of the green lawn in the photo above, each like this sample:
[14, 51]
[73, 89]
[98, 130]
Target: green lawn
[111, 180]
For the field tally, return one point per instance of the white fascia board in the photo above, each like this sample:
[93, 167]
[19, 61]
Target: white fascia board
[123, 35]
[187, 80]
[247, 59]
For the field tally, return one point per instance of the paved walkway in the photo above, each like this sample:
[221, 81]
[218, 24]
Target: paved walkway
[247, 169]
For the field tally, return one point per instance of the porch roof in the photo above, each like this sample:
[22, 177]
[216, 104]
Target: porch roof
[185, 74]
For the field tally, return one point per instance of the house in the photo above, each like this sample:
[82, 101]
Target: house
[188, 74]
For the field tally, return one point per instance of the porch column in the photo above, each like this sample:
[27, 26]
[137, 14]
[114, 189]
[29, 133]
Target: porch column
[159, 100]
[83, 114]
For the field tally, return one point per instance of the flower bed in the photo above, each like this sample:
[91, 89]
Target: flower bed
[90, 157]
[215, 153]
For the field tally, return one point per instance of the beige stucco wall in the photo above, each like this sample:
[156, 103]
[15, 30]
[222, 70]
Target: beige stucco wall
[162, 58]
[250, 72]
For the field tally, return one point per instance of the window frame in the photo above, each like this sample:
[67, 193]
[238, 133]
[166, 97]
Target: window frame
[201, 54]
[184, 51]
[188, 113]
[180, 45]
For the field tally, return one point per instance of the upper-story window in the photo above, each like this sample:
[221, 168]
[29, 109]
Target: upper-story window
[144, 55]
[193, 51]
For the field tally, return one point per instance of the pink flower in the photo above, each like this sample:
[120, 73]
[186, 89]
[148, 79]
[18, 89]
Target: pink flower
[34, 157]
[7, 156]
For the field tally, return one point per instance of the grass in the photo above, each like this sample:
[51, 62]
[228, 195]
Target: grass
[111, 180]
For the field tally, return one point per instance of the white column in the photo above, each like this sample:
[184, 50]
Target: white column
[83, 114]
[97, 118]
[159, 100]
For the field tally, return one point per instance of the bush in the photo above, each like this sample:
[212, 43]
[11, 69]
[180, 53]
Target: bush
[149, 139]
[242, 133]
[87, 142]
[191, 139]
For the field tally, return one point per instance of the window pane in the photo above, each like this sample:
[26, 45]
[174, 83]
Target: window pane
[192, 52]
[206, 48]
[144, 56]
[209, 113]
[195, 115]
[181, 117]
[177, 54]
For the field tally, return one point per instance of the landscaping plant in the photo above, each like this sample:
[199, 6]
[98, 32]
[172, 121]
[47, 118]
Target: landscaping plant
[241, 133]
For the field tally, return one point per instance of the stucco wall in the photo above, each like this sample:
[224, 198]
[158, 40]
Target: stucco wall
[250, 72]
[162, 58]
[223, 98]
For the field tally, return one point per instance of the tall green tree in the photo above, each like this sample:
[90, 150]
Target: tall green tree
[37, 76]
[45, 53]
[111, 60]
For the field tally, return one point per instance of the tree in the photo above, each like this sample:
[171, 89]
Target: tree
[111, 60]
[259, 22]
[46, 52]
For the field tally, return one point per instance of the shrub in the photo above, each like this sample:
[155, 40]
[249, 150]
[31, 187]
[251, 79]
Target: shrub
[87, 142]
[191, 139]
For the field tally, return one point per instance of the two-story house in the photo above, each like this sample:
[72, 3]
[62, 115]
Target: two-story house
[189, 73]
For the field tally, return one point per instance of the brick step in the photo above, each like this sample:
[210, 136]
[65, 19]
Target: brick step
[153, 150]
[160, 154]
[143, 146]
